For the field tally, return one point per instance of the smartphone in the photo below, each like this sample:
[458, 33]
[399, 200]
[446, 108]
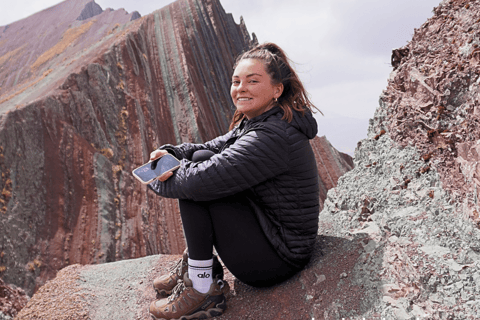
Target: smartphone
[151, 170]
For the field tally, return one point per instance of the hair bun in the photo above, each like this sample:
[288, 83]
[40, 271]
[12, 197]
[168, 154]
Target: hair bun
[271, 47]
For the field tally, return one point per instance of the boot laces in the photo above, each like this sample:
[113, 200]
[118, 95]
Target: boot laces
[177, 268]
[177, 290]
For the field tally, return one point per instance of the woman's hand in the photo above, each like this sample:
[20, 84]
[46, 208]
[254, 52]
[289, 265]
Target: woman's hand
[158, 154]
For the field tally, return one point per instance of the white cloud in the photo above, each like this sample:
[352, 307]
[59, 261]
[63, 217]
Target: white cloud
[355, 99]
[19, 9]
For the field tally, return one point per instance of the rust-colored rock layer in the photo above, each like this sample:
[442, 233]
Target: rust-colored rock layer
[331, 164]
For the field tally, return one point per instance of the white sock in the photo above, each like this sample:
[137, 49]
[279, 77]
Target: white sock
[200, 272]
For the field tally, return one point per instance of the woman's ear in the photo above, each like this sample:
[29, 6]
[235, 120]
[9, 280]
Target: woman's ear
[278, 90]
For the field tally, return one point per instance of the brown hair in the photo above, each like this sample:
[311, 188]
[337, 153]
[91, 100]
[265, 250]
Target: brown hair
[277, 65]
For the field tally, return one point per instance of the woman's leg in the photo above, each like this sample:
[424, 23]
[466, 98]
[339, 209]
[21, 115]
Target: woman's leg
[231, 225]
[198, 228]
[242, 245]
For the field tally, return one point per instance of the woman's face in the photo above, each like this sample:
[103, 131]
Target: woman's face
[252, 90]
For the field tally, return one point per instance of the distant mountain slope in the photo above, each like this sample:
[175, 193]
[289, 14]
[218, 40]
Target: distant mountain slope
[34, 47]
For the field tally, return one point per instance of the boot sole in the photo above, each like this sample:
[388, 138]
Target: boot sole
[200, 315]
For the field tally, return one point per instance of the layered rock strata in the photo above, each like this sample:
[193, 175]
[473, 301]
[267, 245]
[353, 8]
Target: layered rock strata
[331, 165]
[398, 236]
[70, 140]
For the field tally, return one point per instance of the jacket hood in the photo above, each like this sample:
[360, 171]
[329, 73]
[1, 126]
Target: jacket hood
[306, 123]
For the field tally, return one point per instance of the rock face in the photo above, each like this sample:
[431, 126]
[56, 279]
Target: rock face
[70, 140]
[95, 97]
[91, 9]
[399, 235]
[135, 15]
[331, 164]
[414, 189]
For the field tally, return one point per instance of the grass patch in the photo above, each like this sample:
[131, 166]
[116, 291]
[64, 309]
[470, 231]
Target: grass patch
[67, 39]
[46, 73]
[14, 53]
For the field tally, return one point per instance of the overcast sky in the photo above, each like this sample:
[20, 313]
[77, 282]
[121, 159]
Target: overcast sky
[341, 48]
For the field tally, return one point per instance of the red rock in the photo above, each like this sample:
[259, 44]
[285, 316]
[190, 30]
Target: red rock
[12, 300]
[331, 164]
[432, 96]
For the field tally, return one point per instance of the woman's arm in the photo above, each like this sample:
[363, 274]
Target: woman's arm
[255, 157]
[186, 150]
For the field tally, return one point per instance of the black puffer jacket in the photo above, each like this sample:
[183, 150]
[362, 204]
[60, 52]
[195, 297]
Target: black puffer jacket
[272, 160]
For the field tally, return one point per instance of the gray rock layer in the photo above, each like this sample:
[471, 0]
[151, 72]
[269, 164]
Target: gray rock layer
[91, 10]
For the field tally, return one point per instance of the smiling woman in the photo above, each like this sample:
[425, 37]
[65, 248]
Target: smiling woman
[252, 90]
[252, 193]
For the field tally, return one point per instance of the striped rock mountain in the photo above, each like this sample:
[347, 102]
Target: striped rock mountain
[84, 103]
[399, 234]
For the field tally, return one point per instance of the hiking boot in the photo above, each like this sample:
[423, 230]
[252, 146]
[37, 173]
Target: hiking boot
[186, 303]
[164, 285]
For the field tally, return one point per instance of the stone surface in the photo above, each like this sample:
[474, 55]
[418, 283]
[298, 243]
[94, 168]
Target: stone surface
[331, 164]
[12, 300]
[413, 191]
[123, 290]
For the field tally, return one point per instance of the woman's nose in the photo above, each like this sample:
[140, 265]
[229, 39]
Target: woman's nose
[241, 87]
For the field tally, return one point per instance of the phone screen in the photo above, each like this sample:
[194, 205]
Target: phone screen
[152, 170]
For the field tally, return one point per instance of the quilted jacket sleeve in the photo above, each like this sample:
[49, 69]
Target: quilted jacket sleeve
[186, 150]
[254, 157]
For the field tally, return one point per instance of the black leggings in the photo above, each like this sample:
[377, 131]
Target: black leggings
[231, 226]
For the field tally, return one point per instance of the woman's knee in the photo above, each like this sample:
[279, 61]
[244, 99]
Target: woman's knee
[202, 155]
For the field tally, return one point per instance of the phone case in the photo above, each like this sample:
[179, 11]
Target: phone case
[149, 171]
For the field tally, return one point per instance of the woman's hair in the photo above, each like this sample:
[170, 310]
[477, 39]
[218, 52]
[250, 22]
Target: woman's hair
[278, 66]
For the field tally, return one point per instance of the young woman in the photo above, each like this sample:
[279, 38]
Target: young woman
[252, 193]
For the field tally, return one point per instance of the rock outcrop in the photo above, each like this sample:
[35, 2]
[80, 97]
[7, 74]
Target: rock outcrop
[413, 192]
[331, 164]
[90, 10]
[94, 99]
[399, 234]
[12, 300]
[135, 15]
